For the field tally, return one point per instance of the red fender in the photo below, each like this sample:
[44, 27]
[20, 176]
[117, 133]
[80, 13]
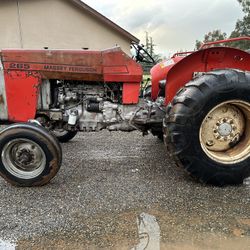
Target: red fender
[159, 72]
[204, 61]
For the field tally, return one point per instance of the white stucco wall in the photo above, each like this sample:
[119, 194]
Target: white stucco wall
[57, 24]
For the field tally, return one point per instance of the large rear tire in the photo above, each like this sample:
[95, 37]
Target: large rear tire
[30, 155]
[207, 127]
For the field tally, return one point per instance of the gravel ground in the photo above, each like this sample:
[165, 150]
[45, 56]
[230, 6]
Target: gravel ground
[106, 181]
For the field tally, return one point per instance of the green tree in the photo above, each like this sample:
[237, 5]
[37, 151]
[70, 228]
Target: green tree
[245, 5]
[211, 37]
[242, 27]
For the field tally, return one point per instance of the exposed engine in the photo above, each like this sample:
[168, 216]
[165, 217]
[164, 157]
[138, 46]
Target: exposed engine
[93, 106]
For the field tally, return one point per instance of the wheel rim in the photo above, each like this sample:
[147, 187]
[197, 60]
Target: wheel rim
[23, 158]
[225, 132]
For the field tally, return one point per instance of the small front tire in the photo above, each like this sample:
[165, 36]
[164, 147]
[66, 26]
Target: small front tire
[30, 155]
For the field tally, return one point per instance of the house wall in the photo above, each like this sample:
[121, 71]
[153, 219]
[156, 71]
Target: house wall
[57, 24]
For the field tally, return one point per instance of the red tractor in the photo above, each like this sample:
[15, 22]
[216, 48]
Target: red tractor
[199, 103]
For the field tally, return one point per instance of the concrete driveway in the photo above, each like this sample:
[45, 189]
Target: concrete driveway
[121, 191]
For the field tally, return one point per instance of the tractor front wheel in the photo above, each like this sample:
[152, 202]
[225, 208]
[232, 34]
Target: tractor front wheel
[207, 128]
[30, 155]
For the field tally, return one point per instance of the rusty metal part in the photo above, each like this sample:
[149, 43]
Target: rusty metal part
[225, 132]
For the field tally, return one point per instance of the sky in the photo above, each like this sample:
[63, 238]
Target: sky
[174, 25]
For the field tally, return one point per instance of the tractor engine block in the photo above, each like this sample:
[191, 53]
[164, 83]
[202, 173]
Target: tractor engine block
[92, 107]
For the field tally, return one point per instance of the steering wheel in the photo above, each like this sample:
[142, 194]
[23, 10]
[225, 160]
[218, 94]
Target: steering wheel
[141, 54]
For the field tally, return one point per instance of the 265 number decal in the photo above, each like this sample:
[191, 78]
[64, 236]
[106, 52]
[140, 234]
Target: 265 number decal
[19, 66]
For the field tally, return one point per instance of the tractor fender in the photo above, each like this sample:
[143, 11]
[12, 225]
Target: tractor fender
[159, 72]
[204, 61]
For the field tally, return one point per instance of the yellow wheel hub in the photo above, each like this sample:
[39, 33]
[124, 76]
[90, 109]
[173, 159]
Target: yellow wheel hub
[225, 132]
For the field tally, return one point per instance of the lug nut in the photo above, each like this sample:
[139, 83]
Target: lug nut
[210, 143]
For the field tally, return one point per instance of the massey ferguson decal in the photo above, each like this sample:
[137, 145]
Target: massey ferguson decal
[76, 69]
[50, 67]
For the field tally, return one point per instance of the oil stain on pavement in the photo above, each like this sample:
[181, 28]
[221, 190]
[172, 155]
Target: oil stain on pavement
[121, 191]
